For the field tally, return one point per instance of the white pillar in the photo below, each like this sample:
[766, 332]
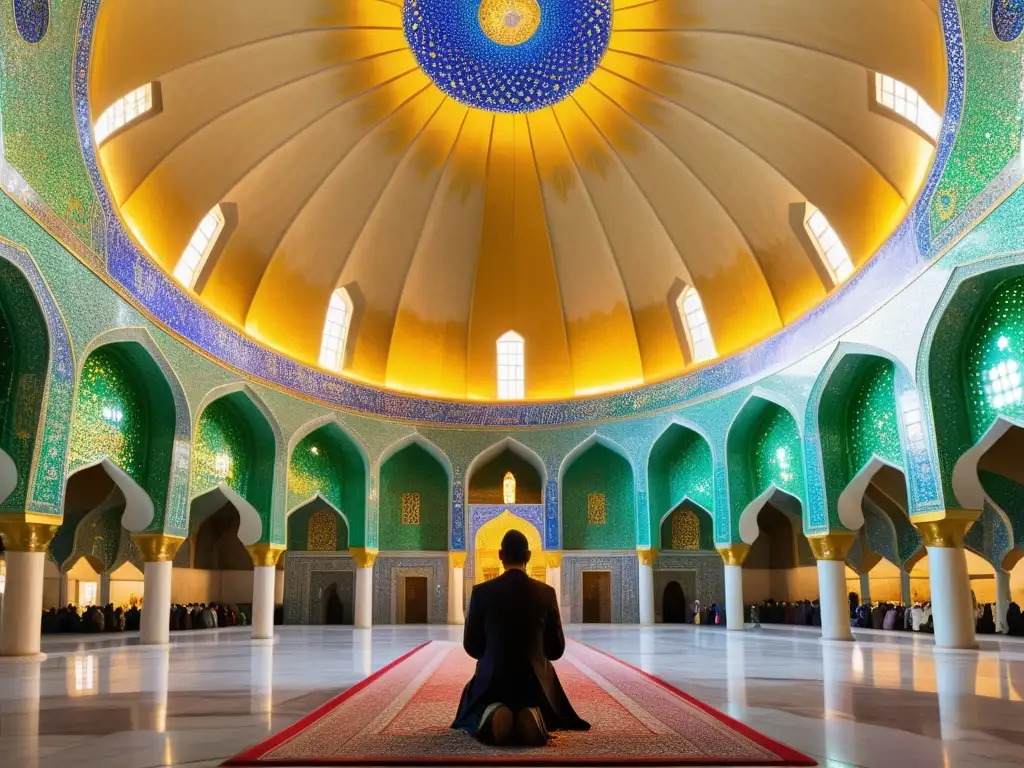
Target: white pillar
[905, 594]
[263, 602]
[22, 614]
[364, 558]
[104, 591]
[952, 609]
[63, 597]
[733, 556]
[734, 618]
[155, 622]
[645, 584]
[261, 681]
[1003, 600]
[736, 674]
[456, 585]
[835, 605]
[158, 550]
[553, 578]
[865, 588]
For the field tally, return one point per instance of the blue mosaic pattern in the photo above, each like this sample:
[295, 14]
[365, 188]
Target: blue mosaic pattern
[1008, 19]
[925, 492]
[50, 462]
[458, 518]
[955, 70]
[32, 17]
[466, 64]
[479, 514]
[551, 526]
[895, 264]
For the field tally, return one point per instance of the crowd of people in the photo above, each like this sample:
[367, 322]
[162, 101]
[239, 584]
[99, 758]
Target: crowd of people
[203, 616]
[883, 615]
[92, 619]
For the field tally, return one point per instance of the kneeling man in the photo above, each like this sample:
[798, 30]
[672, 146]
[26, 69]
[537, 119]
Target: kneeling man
[514, 631]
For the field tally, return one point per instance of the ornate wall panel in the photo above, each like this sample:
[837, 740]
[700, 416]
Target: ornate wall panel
[624, 574]
[390, 567]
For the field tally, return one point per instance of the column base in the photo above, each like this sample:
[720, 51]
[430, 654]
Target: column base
[28, 657]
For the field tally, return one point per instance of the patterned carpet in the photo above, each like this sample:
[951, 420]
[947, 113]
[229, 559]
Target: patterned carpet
[402, 714]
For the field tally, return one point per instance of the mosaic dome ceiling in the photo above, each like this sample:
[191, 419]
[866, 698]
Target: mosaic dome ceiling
[561, 168]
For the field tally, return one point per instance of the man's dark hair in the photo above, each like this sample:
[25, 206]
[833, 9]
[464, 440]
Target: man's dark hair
[514, 548]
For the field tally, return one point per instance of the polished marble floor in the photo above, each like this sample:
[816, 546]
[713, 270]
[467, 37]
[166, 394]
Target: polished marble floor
[886, 700]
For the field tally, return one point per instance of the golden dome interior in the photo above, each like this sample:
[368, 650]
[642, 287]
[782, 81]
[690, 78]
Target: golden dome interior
[336, 162]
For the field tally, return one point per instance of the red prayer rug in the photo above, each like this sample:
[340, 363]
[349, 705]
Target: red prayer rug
[401, 715]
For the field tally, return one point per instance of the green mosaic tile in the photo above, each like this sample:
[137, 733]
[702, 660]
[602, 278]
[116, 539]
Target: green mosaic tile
[413, 470]
[598, 470]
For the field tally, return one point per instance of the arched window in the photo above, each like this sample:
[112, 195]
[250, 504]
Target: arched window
[908, 104]
[509, 488]
[830, 246]
[695, 321]
[332, 344]
[123, 111]
[199, 247]
[511, 367]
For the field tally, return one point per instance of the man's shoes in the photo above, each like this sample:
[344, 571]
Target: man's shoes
[529, 728]
[496, 724]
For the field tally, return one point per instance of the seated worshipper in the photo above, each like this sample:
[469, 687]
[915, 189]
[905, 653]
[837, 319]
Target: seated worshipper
[514, 631]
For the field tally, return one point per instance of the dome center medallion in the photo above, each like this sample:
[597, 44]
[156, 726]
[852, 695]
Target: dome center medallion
[509, 22]
[508, 55]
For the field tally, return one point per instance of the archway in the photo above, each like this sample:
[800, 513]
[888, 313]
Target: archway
[487, 543]
[597, 499]
[486, 476]
[414, 501]
[687, 528]
[317, 527]
[673, 601]
[327, 464]
[780, 566]
[680, 468]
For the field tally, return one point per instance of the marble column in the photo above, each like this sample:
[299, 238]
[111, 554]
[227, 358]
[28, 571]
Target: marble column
[264, 560]
[952, 608]
[733, 556]
[865, 589]
[646, 558]
[21, 617]
[905, 594]
[63, 586]
[456, 585]
[364, 558]
[553, 574]
[103, 593]
[830, 551]
[158, 550]
[1003, 600]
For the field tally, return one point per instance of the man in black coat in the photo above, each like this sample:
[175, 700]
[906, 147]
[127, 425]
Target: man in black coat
[514, 631]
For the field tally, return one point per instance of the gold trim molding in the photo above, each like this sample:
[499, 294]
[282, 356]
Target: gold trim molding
[455, 559]
[553, 559]
[945, 529]
[364, 556]
[832, 546]
[157, 547]
[735, 553]
[28, 532]
[265, 555]
[647, 556]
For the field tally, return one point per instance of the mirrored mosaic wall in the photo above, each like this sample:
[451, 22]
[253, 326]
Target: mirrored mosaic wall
[913, 363]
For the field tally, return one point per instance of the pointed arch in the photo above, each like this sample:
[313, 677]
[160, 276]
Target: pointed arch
[595, 505]
[143, 404]
[42, 398]
[326, 458]
[415, 496]
[750, 477]
[516, 447]
[965, 480]
[415, 438]
[782, 500]
[595, 438]
[250, 476]
[680, 445]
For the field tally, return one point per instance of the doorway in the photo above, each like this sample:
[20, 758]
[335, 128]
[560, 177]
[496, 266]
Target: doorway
[415, 599]
[673, 604]
[597, 597]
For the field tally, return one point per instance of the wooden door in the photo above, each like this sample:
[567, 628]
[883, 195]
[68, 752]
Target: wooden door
[415, 599]
[597, 597]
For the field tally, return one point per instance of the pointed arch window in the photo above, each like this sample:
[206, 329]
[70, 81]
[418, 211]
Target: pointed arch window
[332, 343]
[511, 367]
[125, 110]
[908, 104]
[191, 263]
[829, 246]
[508, 488]
[695, 322]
